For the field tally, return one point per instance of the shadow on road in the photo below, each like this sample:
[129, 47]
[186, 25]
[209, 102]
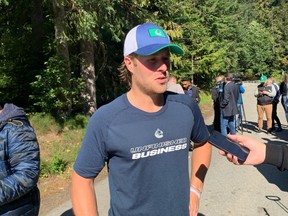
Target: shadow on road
[277, 200]
[274, 176]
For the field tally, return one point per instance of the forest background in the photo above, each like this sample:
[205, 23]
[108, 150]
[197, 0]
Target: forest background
[59, 59]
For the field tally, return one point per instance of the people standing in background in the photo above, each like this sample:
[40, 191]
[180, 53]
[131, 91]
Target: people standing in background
[173, 86]
[229, 105]
[274, 106]
[216, 94]
[19, 163]
[265, 93]
[283, 92]
[190, 89]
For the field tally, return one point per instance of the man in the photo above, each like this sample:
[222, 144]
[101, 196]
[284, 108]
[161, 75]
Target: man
[229, 105]
[190, 89]
[173, 86]
[265, 93]
[216, 94]
[272, 154]
[144, 137]
[19, 164]
[274, 106]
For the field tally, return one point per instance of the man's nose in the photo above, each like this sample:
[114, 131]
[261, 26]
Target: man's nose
[163, 66]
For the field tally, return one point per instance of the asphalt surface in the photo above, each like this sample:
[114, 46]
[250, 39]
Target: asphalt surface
[229, 190]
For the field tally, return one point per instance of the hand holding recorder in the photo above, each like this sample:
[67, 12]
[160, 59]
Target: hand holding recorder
[257, 149]
[228, 146]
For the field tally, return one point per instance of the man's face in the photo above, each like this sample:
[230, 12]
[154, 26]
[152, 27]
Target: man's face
[150, 73]
[185, 84]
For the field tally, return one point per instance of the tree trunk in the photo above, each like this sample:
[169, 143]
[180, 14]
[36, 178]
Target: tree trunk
[62, 50]
[88, 74]
[37, 29]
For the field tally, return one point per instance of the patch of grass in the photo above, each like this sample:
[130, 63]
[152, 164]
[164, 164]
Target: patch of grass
[57, 165]
[58, 146]
[44, 123]
[205, 97]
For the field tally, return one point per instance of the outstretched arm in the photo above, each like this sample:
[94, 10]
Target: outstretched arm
[83, 196]
[200, 161]
[257, 153]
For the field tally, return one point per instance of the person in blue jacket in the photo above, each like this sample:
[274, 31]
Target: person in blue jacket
[143, 136]
[19, 164]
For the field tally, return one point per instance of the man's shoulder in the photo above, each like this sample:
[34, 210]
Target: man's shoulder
[110, 109]
[195, 87]
[184, 99]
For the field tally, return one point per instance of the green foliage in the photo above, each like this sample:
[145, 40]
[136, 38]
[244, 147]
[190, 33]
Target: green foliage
[218, 36]
[59, 144]
[56, 166]
[258, 49]
[53, 95]
[44, 123]
[205, 97]
[78, 122]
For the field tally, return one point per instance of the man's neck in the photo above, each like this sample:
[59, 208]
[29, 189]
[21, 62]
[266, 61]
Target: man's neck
[147, 103]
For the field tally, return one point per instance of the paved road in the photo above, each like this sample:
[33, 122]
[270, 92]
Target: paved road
[230, 190]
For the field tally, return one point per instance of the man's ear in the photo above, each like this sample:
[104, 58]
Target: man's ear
[129, 63]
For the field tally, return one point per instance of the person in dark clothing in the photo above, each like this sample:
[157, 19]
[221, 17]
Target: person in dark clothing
[19, 164]
[283, 92]
[275, 102]
[276, 155]
[229, 105]
[216, 94]
[191, 89]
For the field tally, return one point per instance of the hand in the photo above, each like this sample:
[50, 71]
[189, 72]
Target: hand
[257, 150]
[194, 205]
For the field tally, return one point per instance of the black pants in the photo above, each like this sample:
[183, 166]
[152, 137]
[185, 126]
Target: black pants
[274, 116]
[216, 121]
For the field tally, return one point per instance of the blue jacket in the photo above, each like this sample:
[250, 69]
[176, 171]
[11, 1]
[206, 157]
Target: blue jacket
[19, 164]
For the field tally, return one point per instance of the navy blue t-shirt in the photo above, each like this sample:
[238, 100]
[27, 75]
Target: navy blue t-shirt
[146, 153]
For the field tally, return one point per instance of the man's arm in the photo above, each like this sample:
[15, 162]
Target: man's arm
[83, 196]
[200, 161]
[259, 152]
[270, 90]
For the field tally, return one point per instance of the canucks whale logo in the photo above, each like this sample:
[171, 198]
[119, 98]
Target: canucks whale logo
[158, 133]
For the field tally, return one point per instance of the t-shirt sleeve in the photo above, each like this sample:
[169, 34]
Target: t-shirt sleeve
[200, 133]
[92, 155]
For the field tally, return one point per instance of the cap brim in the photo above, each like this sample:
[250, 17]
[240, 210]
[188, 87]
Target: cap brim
[150, 50]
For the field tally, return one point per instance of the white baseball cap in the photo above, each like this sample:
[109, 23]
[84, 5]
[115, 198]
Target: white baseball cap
[147, 39]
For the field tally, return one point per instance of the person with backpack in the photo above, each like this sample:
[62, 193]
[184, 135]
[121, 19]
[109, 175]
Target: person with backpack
[19, 163]
[274, 107]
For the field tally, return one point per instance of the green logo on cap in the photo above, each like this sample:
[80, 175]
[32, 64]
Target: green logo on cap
[156, 32]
